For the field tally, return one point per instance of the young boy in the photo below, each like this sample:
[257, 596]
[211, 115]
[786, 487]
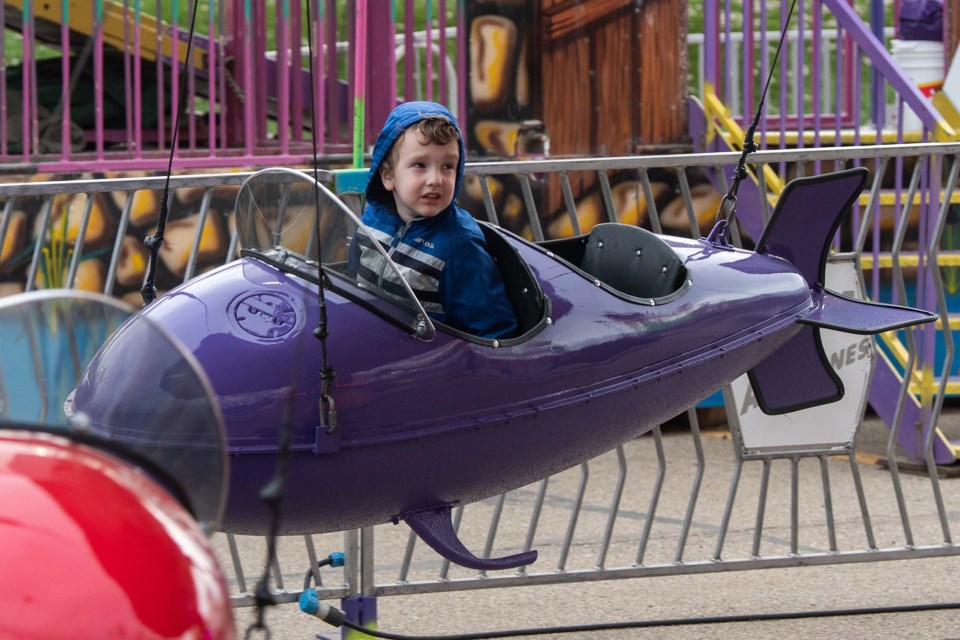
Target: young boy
[440, 251]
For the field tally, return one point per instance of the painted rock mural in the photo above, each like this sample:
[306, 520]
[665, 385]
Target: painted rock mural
[96, 243]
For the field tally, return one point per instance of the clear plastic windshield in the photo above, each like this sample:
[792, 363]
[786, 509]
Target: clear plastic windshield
[282, 210]
[58, 372]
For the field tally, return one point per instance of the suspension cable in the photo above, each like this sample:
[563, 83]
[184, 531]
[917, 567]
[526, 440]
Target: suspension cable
[154, 242]
[719, 234]
[274, 492]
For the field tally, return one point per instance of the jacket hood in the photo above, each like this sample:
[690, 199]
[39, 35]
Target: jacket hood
[397, 122]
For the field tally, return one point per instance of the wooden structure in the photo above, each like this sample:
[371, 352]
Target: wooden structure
[608, 78]
[614, 75]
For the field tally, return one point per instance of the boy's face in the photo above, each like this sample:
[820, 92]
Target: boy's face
[423, 176]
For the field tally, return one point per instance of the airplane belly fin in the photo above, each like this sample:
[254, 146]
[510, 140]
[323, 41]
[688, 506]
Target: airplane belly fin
[435, 527]
[834, 311]
[796, 377]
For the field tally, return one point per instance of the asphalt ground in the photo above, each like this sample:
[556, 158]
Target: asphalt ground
[892, 596]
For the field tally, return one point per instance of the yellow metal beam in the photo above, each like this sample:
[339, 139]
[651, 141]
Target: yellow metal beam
[885, 260]
[81, 20]
[729, 129]
[889, 197]
[847, 137]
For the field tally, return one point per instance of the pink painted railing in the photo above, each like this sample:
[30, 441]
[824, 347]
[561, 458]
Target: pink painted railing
[249, 93]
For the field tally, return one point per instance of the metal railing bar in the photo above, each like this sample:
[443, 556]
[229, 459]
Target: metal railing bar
[728, 509]
[655, 495]
[897, 424]
[198, 234]
[722, 178]
[281, 213]
[862, 500]
[117, 246]
[894, 467]
[794, 505]
[79, 242]
[237, 563]
[67, 320]
[457, 518]
[615, 163]
[574, 515]
[531, 205]
[234, 244]
[614, 507]
[568, 202]
[312, 559]
[407, 556]
[277, 572]
[688, 202]
[494, 525]
[367, 561]
[312, 249]
[5, 221]
[535, 518]
[695, 489]
[812, 452]
[652, 214]
[758, 170]
[938, 400]
[872, 209]
[38, 371]
[285, 597]
[735, 236]
[607, 197]
[761, 509]
[503, 168]
[488, 207]
[828, 504]
[57, 187]
[45, 214]
[670, 569]
[351, 561]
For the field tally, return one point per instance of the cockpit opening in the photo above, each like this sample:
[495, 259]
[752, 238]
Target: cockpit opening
[626, 259]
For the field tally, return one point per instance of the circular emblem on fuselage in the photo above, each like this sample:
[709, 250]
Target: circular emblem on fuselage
[266, 315]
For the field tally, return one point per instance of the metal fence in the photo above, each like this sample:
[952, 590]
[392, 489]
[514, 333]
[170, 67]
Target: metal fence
[94, 85]
[660, 505]
[836, 79]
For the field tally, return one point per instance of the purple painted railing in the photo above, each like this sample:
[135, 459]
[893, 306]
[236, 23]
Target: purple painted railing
[819, 88]
[248, 91]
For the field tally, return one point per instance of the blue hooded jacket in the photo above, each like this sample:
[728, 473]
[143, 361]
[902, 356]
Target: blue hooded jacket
[443, 258]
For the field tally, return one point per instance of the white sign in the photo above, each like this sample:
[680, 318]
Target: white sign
[826, 426]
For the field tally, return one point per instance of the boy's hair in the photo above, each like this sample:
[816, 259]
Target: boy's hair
[436, 130]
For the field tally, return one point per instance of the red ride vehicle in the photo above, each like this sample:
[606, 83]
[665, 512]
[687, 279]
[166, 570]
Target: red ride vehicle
[100, 539]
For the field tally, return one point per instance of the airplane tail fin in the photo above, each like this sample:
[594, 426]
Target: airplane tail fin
[801, 230]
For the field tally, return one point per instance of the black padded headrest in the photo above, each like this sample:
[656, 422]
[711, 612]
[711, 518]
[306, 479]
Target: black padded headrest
[632, 260]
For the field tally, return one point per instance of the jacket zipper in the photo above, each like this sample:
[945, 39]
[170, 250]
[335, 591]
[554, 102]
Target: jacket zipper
[393, 246]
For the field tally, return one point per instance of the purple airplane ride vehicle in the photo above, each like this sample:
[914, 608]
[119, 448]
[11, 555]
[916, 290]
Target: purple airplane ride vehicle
[619, 330]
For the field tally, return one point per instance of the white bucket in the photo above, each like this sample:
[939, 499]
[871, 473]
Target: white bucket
[922, 62]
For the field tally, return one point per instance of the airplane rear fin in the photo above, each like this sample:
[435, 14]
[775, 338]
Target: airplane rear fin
[834, 311]
[801, 230]
[806, 218]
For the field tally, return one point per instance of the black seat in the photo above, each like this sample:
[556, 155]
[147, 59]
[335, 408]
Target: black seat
[632, 260]
[522, 289]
